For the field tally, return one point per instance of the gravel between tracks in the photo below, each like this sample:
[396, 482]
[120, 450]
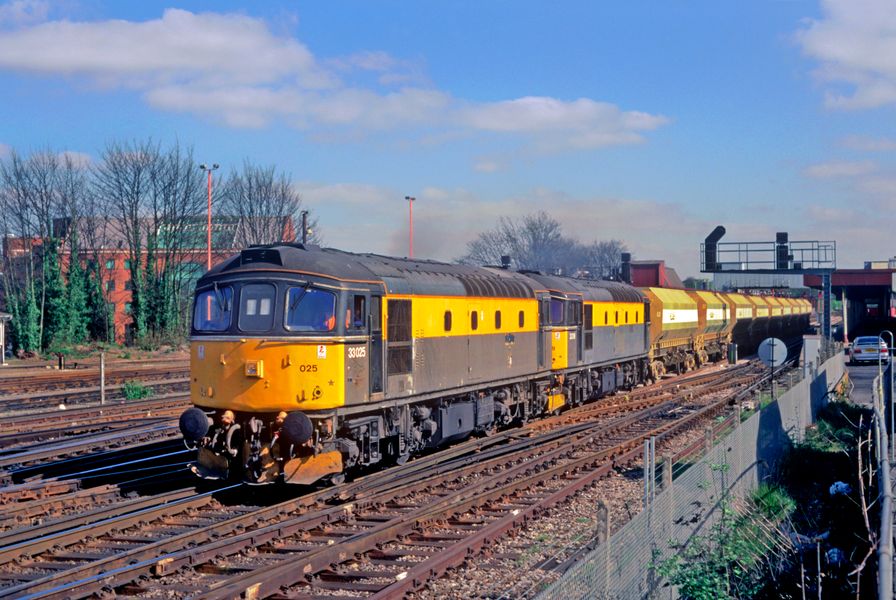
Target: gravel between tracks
[510, 568]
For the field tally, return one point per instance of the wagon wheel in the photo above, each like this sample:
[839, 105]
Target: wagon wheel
[702, 357]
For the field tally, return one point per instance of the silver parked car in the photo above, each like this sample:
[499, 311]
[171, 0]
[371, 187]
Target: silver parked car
[869, 349]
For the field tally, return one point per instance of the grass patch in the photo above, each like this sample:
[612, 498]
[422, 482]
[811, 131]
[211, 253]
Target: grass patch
[134, 390]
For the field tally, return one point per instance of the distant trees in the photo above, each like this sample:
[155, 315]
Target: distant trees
[34, 191]
[536, 241]
[263, 199]
[139, 200]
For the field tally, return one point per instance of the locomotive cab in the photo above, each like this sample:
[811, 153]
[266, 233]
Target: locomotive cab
[279, 354]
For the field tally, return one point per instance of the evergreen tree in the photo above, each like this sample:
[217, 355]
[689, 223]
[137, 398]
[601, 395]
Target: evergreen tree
[29, 340]
[56, 314]
[99, 316]
[77, 295]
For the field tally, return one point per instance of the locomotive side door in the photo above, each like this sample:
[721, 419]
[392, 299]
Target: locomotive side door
[580, 337]
[376, 344]
[544, 311]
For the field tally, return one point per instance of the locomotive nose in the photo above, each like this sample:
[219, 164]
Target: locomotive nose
[194, 424]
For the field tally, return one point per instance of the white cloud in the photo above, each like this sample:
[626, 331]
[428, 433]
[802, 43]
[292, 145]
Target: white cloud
[233, 68]
[485, 165]
[855, 44]
[23, 12]
[581, 123]
[838, 169]
[868, 144]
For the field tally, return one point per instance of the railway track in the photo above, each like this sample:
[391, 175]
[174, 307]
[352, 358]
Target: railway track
[40, 380]
[472, 489]
[22, 430]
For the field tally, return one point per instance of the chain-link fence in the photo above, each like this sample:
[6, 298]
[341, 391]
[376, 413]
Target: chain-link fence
[687, 504]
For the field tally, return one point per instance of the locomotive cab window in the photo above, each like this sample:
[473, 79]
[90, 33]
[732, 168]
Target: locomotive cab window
[447, 320]
[257, 307]
[557, 311]
[310, 310]
[213, 309]
[474, 320]
[497, 319]
[522, 319]
[357, 314]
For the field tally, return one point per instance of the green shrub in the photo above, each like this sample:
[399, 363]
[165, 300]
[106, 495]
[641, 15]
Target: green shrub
[134, 390]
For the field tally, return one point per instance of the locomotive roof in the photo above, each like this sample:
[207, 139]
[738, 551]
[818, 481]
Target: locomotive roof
[398, 275]
[596, 290]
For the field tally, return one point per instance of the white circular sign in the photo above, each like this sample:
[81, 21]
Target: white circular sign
[772, 352]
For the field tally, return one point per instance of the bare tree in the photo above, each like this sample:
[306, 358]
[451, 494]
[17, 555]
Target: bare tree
[536, 242]
[265, 205]
[156, 199]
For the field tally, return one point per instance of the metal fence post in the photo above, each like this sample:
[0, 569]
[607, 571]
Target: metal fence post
[102, 377]
[708, 438]
[646, 472]
[652, 468]
[602, 530]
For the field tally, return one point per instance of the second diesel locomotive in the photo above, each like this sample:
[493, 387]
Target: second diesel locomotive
[308, 362]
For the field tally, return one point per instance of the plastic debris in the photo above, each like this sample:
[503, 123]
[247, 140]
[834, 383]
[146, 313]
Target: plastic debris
[840, 487]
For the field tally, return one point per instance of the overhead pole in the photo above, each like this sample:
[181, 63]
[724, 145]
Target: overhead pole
[208, 170]
[411, 200]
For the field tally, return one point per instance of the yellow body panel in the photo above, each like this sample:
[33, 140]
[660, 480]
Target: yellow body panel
[296, 375]
[559, 349]
[428, 315]
[604, 314]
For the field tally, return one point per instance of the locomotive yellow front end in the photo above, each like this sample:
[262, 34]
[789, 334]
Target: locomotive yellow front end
[271, 355]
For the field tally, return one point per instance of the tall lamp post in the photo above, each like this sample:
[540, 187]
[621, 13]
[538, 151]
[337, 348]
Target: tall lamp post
[209, 170]
[880, 343]
[411, 200]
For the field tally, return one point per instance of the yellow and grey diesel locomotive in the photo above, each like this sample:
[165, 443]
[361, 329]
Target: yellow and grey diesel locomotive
[309, 362]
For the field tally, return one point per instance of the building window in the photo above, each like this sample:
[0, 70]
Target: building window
[589, 327]
[110, 264]
[110, 285]
[129, 285]
[447, 320]
[474, 320]
[127, 264]
[400, 356]
[127, 308]
[522, 319]
[497, 319]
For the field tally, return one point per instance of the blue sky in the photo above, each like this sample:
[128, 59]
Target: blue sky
[649, 122]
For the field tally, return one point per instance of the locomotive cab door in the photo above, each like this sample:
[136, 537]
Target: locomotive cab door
[375, 327]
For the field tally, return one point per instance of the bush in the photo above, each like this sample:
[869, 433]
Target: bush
[134, 390]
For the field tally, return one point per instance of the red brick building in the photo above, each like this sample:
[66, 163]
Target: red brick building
[105, 241]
